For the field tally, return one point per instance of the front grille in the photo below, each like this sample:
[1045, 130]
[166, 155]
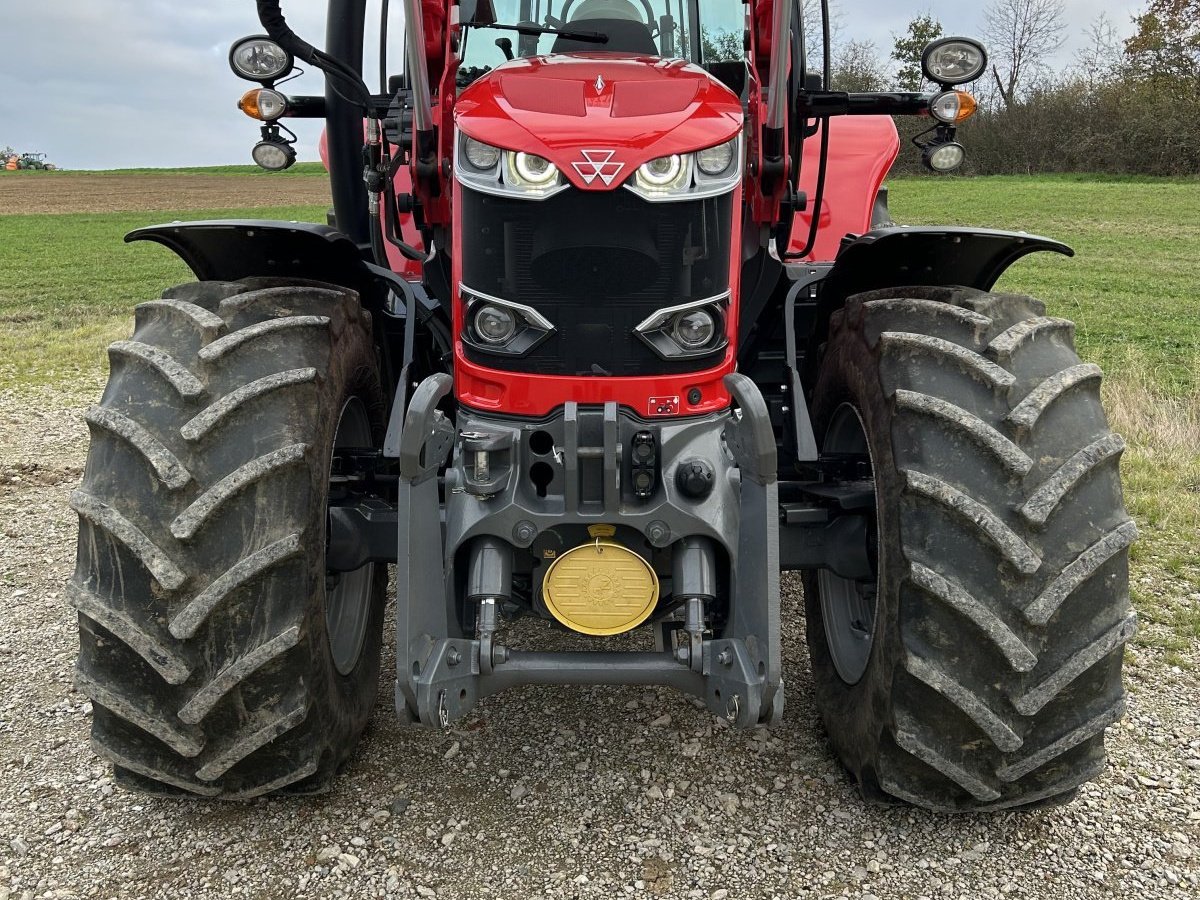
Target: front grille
[596, 265]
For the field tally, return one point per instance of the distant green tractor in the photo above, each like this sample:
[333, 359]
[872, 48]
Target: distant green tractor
[34, 161]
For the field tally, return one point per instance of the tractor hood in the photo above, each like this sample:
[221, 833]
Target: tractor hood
[599, 107]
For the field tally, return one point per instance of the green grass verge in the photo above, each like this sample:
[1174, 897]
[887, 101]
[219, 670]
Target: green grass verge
[1134, 284]
[68, 286]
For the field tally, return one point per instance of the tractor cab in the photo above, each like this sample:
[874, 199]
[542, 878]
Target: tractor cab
[631, 27]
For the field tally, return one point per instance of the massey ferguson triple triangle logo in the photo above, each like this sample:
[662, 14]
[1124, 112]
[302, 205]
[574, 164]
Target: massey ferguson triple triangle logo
[599, 164]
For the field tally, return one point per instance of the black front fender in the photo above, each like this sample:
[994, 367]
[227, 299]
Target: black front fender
[927, 255]
[229, 249]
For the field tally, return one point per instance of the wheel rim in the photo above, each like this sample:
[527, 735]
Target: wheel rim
[848, 607]
[348, 594]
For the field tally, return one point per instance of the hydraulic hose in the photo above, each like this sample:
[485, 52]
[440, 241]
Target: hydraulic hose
[271, 16]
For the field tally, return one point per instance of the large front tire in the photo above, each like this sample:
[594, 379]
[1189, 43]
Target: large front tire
[220, 657]
[982, 667]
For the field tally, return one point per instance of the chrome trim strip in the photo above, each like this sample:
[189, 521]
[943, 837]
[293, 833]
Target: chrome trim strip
[659, 318]
[503, 190]
[693, 194]
[531, 315]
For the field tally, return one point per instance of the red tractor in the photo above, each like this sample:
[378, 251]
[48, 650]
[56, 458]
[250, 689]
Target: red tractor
[609, 328]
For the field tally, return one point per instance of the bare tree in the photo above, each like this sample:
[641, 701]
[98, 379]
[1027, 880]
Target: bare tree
[1020, 35]
[857, 67]
[813, 41]
[1101, 53]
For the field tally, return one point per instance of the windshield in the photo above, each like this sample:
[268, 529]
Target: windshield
[648, 27]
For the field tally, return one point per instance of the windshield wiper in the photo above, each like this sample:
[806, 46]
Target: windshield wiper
[594, 37]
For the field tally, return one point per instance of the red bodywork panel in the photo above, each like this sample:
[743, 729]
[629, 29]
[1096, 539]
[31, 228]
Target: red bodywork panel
[861, 151]
[639, 107]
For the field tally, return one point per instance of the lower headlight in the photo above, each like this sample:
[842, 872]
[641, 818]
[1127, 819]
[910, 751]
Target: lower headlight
[694, 328]
[494, 324]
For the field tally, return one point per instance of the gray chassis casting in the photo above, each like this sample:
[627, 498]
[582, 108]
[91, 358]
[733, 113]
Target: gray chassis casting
[446, 655]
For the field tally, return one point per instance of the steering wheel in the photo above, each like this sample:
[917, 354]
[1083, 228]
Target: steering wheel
[651, 19]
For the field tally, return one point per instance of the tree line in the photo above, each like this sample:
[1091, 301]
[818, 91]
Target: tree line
[1120, 106]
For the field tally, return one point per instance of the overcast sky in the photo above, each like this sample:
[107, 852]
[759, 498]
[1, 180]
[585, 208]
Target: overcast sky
[122, 83]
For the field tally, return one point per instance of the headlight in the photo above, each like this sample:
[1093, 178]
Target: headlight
[259, 58]
[532, 171]
[494, 324]
[952, 107]
[480, 155]
[954, 60]
[507, 173]
[686, 331]
[690, 176]
[694, 329]
[663, 174]
[716, 160]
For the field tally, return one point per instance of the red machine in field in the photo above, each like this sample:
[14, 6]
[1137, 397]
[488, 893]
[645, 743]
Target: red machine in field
[610, 327]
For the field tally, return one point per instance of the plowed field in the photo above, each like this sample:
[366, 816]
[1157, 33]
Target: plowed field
[71, 193]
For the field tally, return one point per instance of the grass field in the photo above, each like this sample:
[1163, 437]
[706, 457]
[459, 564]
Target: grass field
[68, 286]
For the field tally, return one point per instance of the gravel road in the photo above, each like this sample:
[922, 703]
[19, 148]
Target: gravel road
[580, 793]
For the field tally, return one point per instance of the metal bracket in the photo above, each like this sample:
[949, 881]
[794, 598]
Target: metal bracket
[424, 618]
[428, 435]
[750, 437]
[754, 608]
[806, 441]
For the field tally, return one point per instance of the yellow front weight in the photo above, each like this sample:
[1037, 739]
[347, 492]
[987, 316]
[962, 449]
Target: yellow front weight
[600, 588]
